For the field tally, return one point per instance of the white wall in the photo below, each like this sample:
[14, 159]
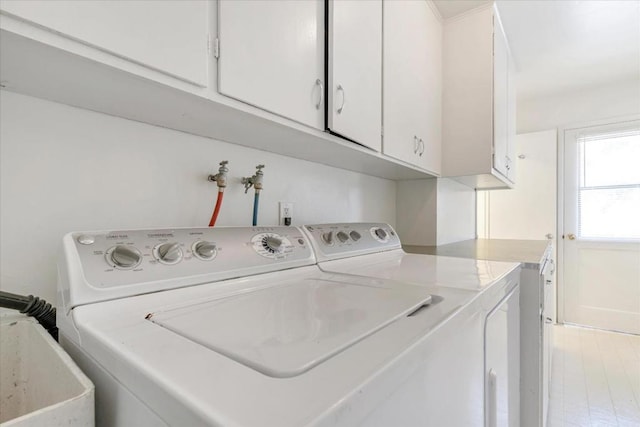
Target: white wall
[528, 211]
[66, 169]
[435, 212]
[456, 212]
[597, 103]
[416, 202]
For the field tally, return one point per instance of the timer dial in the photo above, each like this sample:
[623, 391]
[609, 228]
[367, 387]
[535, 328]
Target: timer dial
[124, 257]
[271, 245]
[168, 253]
[205, 251]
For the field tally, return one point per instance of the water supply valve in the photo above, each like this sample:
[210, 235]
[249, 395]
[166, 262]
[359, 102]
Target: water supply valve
[221, 177]
[255, 180]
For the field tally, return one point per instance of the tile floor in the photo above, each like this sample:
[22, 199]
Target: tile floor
[595, 378]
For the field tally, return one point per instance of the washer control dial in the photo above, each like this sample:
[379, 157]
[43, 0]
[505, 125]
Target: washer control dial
[342, 236]
[379, 234]
[204, 250]
[168, 253]
[355, 235]
[271, 245]
[123, 257]
[327, 238]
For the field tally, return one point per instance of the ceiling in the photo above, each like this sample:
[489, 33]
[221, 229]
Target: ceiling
[567, 45]
[449, 8]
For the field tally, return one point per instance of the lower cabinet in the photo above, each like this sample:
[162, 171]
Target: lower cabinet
[412, 83]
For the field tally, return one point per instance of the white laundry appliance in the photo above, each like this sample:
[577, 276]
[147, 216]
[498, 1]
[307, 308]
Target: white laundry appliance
[239, 327]
[491, 369]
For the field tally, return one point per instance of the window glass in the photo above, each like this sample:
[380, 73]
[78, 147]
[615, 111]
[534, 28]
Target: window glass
[611, 161]
[609, 193]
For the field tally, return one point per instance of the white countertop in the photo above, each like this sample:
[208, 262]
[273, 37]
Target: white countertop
[524, 251]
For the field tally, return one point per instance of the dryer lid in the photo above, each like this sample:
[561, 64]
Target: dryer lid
[285, 330]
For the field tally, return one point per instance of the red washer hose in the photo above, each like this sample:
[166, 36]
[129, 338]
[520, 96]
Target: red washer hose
[216, 211]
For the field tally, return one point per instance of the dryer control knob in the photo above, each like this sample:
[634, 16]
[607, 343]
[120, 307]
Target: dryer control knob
[125, 257]
[328, 237]
[342, 236]
[355, 235]
[205, 250]
[169, 253]
[381, 233]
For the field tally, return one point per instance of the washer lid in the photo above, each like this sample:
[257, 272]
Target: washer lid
[285, 330]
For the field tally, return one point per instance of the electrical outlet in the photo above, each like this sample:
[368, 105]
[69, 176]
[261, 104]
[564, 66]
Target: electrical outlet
[286, 213]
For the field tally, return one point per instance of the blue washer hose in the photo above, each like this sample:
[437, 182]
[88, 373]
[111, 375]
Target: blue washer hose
[256, 201]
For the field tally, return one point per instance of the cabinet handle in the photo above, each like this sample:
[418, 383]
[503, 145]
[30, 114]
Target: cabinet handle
[319, 83]
[548, 320]
[416, 144]
[421, 147]
[341, 89]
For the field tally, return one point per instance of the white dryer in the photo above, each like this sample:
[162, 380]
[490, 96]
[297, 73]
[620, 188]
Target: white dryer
[489, 367]
[239, 327]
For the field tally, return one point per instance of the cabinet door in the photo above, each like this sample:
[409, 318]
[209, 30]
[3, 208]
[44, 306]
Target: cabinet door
[511, 121]
[168, 36]
[500, 98]
[429, 86]
[355, 70]
[412, 84]
[272, 56]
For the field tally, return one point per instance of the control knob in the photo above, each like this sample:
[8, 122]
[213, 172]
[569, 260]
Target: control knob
[342, 236]
[382, 235]
[125, 257]
[272, 243]
[328, 237]
[169, 253]
[355, 235]
[205, 250]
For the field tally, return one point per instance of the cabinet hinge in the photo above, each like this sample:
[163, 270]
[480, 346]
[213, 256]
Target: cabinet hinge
[381, 131]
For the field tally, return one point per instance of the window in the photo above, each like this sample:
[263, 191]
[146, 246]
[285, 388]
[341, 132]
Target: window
[609, 185]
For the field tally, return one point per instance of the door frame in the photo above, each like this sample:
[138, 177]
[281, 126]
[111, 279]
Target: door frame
[562, 132]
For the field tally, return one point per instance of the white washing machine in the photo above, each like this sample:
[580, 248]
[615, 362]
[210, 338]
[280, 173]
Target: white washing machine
[239, 327]
[490, 365]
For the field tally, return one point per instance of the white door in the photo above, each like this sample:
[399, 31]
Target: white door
[168, 36]
[601, 230]
[272, 56]
[355, 71]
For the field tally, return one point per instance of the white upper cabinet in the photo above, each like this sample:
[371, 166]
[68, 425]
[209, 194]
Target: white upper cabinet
[354, 108]
[271, 55]
[500, 100]
[479, 101]
[167, 36]
[412, 83]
